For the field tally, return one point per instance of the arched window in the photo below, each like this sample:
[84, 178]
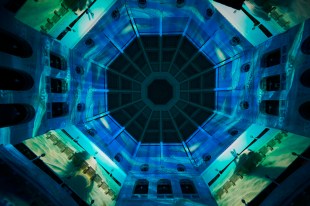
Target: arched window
[305, 78]
[164, 187]
[271, 83]
[14, 114]
[304, 110]
[305, 47]
[12, 79]
[14, 45]
[270, 107]
[187, 187]
[141, 187]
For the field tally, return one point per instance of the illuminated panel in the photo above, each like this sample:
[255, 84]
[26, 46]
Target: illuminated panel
[252, 163]
[81, 172]
[244, 24]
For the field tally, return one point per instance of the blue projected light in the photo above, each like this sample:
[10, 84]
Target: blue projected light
[179, 97]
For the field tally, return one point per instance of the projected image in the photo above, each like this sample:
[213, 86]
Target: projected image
[257, 168]
[76, 168]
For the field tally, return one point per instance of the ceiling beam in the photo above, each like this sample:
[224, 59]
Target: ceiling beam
[206, 109]
[124, 76]
[192, 58]
[179, 44]
[218, 66]
[135, 28]
[181, 138]
[145, 127]
[135, 116]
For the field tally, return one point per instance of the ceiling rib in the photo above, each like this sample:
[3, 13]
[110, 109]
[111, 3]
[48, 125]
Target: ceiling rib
[192, 58]
[135, 116]
[187, 117]
[124, 76]
[179, 44]
[180, 136]
[206, 108]
[207, 90]
[123, 91]
[145, 128]
[124, 106]
[134, 26]
[160, 127]
[161, 41]
[218, 66]
[98, 116]
[116, 134]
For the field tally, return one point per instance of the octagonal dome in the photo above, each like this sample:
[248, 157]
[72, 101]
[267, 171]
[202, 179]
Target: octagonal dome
[156, 91]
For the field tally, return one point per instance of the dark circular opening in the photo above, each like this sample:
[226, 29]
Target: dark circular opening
[142, 3]
[80, 107]
[118, 157]
[115, 14]
[304, 110]
[233, 132]
[89, 42]
[206, 157]
[144, 168]
[305, 47]
[235, 41]
[244, 105]
[209, 12]
[160, 92]
[180, 3]
[79, 70]
[92, 132]
[180, 168]
[305, 78]
[245, 68]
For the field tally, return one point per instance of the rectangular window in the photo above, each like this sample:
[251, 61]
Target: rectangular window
[57, 62]
[271, 83]
[58, 85]
[270, 107]
[271, 58]
[141, 187]
[59, 109]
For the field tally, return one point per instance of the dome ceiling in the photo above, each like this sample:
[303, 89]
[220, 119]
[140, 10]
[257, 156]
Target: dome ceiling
[166, 76]
[161, 89]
